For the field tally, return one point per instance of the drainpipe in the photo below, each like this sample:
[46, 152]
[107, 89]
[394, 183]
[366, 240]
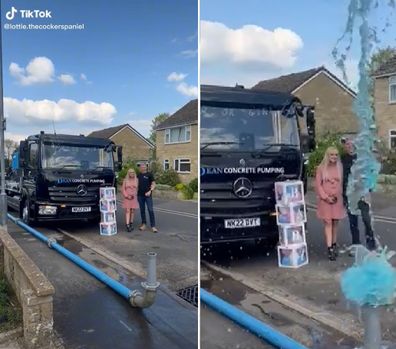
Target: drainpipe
[134, 297]
[257, 327]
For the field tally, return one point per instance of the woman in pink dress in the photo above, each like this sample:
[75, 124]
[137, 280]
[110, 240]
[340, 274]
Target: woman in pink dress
[329, 191]
[129, 192]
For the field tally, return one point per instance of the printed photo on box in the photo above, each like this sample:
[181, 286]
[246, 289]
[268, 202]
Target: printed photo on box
[113, 228]
[295, 234]
[291, 234]
[294, 192]
[108, 217]
[278, 192]
[302, 255]
[107, 205]
[299, 215]
[286, 257]
[107, 193]
[283, 215]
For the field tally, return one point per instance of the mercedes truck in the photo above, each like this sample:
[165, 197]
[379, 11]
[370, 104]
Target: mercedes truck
[249, 140]
[56, 177]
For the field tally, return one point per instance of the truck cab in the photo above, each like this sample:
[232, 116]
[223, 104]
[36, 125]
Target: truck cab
[57, 177]
[249, 140]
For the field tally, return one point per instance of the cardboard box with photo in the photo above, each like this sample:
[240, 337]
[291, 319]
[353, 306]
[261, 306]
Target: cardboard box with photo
[107, 193]
[108, 229]
[108, 205]
[291, 234]
[108, 217]
[289, 192]
[291, 214]
[294, 256]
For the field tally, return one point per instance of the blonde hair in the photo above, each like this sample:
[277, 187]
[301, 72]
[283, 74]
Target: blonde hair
[324, 165]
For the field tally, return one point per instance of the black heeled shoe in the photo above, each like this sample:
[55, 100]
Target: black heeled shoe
[335, 249]
[331, 253]
[131, 227]
[128, 228]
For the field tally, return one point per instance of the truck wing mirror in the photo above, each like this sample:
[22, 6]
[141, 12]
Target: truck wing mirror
[119, 158]
[22, 153]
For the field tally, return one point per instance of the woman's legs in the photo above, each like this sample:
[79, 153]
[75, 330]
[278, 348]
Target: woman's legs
[328, 229]
[131, 215]
[334, 232]
[127, 216]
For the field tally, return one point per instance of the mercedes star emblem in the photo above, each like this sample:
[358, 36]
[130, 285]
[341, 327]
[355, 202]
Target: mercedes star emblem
[243, 187]
[242, 162]
[82, 190]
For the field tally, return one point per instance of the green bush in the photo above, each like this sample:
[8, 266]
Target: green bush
[10, 315]
[194, 185]
[389, 164]
[317, 155]
[124, 171]
[188, 193]
[156, 169]
[170, 177]
[179, 186]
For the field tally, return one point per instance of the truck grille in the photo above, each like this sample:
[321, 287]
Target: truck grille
[69, 194]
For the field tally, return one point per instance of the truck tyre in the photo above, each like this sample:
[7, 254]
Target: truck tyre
[25, 212]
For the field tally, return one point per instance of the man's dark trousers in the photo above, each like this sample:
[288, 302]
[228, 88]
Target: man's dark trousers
[354, 226]
[143, 201]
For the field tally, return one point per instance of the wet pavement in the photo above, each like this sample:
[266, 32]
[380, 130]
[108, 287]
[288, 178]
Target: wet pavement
[317, 283]
[87, 314]
[302, 329]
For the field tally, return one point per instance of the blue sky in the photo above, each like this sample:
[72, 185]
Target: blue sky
[113, 71]
[313, 27]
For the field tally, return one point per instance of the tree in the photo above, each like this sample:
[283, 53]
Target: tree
[154, 124]
[380, 57]
[10, 146]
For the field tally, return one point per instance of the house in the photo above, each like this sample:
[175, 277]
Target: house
[385, 102]
[135, 147]
[320, 88]
[177, 142]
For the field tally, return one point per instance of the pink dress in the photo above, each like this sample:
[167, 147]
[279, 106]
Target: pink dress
[329, 186]
[129, 188]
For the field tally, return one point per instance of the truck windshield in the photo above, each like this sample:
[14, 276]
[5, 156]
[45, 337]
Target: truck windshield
[244, 129]
[62, 156]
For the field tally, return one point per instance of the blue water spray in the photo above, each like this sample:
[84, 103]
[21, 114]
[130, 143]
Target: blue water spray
[371, 281]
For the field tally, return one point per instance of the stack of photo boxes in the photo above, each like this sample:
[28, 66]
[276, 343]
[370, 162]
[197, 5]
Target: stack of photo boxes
[108, 207]
[291, 218]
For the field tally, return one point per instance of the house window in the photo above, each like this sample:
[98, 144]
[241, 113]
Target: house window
[392, 139]
[182, 165]
[178, 135]
[392, 89]
[166, 165]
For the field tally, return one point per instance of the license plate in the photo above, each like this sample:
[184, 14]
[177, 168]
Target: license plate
[81, 209]
[241, 223]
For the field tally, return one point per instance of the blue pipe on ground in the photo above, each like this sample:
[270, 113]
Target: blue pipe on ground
[113, 284]
[250, 323]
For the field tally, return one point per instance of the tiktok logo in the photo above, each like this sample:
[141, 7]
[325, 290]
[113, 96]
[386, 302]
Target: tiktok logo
[11, 14]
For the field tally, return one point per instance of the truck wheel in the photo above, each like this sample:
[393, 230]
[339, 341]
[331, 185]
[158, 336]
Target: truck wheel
[25, 213]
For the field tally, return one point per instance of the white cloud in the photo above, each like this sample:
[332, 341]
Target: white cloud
[189, 53]
[66, 79]
[176, 76]
[143, 126]
[43, 112]
[249, 44]
[83, 77]
[16, 137]
[187, 90]
[40, 70]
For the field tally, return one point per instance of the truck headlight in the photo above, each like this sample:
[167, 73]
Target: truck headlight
[47, 210]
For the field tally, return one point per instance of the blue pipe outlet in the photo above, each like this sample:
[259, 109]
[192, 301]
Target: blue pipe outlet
[250, 323]
[113, 284]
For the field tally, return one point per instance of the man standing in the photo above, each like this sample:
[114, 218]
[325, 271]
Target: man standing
[146, 185]
[347, 159]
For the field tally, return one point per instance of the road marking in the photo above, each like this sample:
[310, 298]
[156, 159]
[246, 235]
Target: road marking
[177, 213]
[125, 325]
[382, 219]
[346, 324]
